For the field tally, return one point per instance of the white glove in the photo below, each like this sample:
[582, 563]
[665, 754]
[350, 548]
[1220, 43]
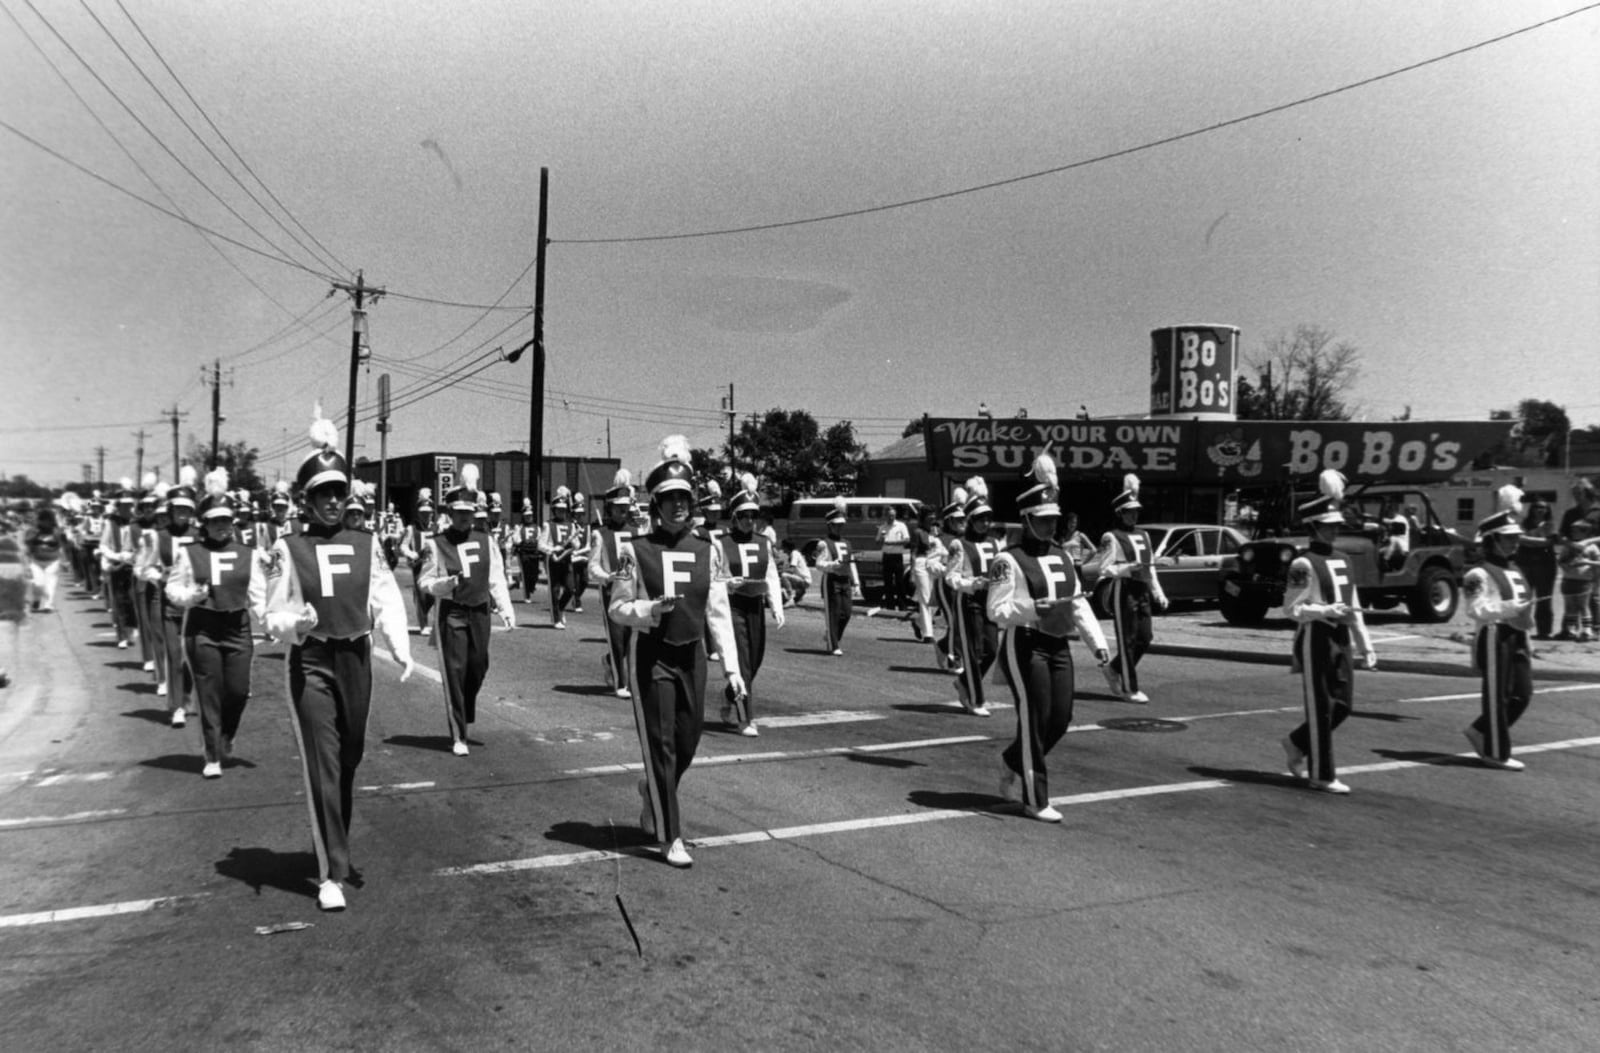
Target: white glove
[407, 667]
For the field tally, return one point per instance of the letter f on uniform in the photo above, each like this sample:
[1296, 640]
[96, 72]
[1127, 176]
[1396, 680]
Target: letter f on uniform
[221, 563]
[674, 572]
[469, 556]
[327, 568]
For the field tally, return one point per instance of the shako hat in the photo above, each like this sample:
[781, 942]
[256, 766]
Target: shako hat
[621, 492]
[673, 471]
[148, 484]
[280, 494]
[1044, 497]
[957, 508]
[748, 499]
[325, 466]
[710, 496]
[1325, 508]
[217, 502]
[837, 513]
[977, 498]
[562, 500]
[1129, 497]
[183, 494]
[464, 496]
[425, 499]
[1504, 520]
[125, 492]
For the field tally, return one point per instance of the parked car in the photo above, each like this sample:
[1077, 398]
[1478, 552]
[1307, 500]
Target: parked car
[808, 523]
[1189, 559]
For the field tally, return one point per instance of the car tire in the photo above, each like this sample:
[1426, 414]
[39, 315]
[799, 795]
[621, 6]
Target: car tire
[1435, 598]
[1243, 610]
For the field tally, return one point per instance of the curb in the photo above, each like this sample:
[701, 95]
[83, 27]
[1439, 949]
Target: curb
[1418, 666]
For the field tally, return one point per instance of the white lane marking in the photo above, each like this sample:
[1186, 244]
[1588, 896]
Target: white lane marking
[830, 716]
[1381, 638]
[783, 755]
[418, 667]
[105, 910]
[65, 777]
[397, 786]
[75, 817]
[1475, 695]
[934, 815]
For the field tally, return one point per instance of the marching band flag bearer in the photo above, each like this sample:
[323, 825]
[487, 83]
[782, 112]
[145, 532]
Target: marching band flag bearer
[1128, 559]
[1500, 602]
[463, 571]
[976, 636]
[753, 588]
[156, 561]
[1036, 600]
[334, 592]
[223, 588]
[559, 538]
[1321, 597]
[414, 549]
[605, 559]
[670, 586]
[840, 580]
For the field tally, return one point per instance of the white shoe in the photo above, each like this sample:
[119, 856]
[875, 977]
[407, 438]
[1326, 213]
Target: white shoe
[980, 711]
[749, 731]
[873, 612]
[678, 855]
[1010, 783]
[426, 630]
[330, 896]
[1296, 759]
[1509, 764]
[647, 816]
[623, 692]
[561, 625]
[1047, 814]
[838, 652]
[150, 666]
[1137, 697]
[123, 645]
[161, 689]
[1329, 786]
[178, 719]
[459, 748]
[212, 770]
[1112, 679]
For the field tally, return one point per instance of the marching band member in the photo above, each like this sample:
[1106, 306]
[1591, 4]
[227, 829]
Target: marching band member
[413, 549]
[671, 585]
[925, 546]
[753, 587]
[841, 582]
[1035, 598]
[145, 599]
[1321, 597]
[605, 556]
[119, 546]
[223, 587]
[946, 550]
[527, 541]
[175, 681]
[707, 521]
[582, 536]
[558, 541]
[89, 543]
[1500, 602]
[1128, 559]
[269, 530]
[390, 527]
[976, 636]
[335, 591]
[44, 544]
[464, 573]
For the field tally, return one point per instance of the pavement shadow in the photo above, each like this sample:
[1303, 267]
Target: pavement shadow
[138, 687]
[104, 643]
[1440, 760]
[882, 761]
[154, 716]
[436, 743]
[1250, 776]
[125, 665]
[963, 801]
[1391, 718]
[292, 872]
[101, 625]
[918, 669]
[582, 689]
[186, 763]
[596, 837]
[947, 709]
[808, 650]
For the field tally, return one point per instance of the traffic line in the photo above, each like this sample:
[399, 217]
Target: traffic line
[416, 666]
[66, 777]
[830, 716]
[704, 761]
[75, 817]
[397, 786]
[934, 815]
[104, 910]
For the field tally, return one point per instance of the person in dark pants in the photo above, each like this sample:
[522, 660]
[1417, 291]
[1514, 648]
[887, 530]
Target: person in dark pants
[894, 537]
[146, 597]
[926, 557]
[1536, 559]
[1321, 598]
[753, 588]
[527, 544]
[220, 584]
[119, 547]
[334, 592]
[1035, 599]
[841, 582]
[1128, 559]
[559, 540]
[1500, 603]
[176, 680]
[670, 587]
[605, 557]
[977, 639]
[946, 551]
[414, 550]
[467, 578]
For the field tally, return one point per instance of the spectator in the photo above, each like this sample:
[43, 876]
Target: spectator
[1536, 558]
[1580, 564]
[795, 575]
[45, 544]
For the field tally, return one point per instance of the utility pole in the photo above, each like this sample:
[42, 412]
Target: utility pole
[176, 457]
[138, 469]
[100, 461]
[727, 407]
[215, 380]
[383, 443]
[608, 438]
[536, 402]
[360, 292]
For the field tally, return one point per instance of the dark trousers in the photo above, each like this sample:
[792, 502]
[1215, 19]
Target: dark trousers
[124, 601]
[91, 568]
[530, 574]
[1327, 676]
[1038, 669]
[948, 644]
[170, 664]
[147, 604]
[669, 697]
[1130, 617]
[617, 643]
[836, 592]
[330, 690]
[219, 648]
[1541, 575]
[894, 581]
[978, 644]
[580, 581]
[463, 642]
[750, 638]
[561, 591]
[1501, 655]
[423, 601]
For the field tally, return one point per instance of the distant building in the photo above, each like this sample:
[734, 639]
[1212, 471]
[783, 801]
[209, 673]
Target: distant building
[505, 474]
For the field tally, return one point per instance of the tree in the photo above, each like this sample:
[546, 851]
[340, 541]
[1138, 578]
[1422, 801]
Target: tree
[1538, 441]
[238, 457]
[1304, 375]
[793, 456]
[913, 427]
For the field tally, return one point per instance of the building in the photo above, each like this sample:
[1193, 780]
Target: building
[505, 474]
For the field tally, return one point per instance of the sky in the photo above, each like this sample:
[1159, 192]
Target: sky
[1445, 220]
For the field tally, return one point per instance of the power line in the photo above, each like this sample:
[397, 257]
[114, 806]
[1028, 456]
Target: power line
[476, 321]
[1084, 163]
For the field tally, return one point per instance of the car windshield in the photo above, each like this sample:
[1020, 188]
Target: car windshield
[1156, 536]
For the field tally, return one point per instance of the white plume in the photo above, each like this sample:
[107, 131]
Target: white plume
[161, 491]
[216, 480]
[148, 481]
[977, 487]
[1331, 483]
[527, 506]
[958, 497]
[839, 505]
[1130, 483]
[470, 476]
[324, 436]
[713, 488]
[127, 482]
[562, 493]
[187, 476]
[425, 494]
[675, 448]
[1510, 499]
[747, 482]
[1044, 469]
[282, 486]
[622, 478]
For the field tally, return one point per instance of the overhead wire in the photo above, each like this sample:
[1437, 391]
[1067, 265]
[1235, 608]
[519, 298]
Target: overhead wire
[1085, 162]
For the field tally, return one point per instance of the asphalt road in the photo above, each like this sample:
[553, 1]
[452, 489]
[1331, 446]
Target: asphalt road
[857, 884]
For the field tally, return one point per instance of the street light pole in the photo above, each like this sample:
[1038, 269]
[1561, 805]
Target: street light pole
[361, 292]
[536, 401]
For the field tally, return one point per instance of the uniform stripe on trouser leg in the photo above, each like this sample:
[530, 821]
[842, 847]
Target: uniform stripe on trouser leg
[1118, 626]
[1309, 688]
[1016, 679]
[658, 807]
[317, 843]
[1493, 695]
[965, 655]
[445, 672]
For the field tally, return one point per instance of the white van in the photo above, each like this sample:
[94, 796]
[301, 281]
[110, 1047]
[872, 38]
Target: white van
[808, 522]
